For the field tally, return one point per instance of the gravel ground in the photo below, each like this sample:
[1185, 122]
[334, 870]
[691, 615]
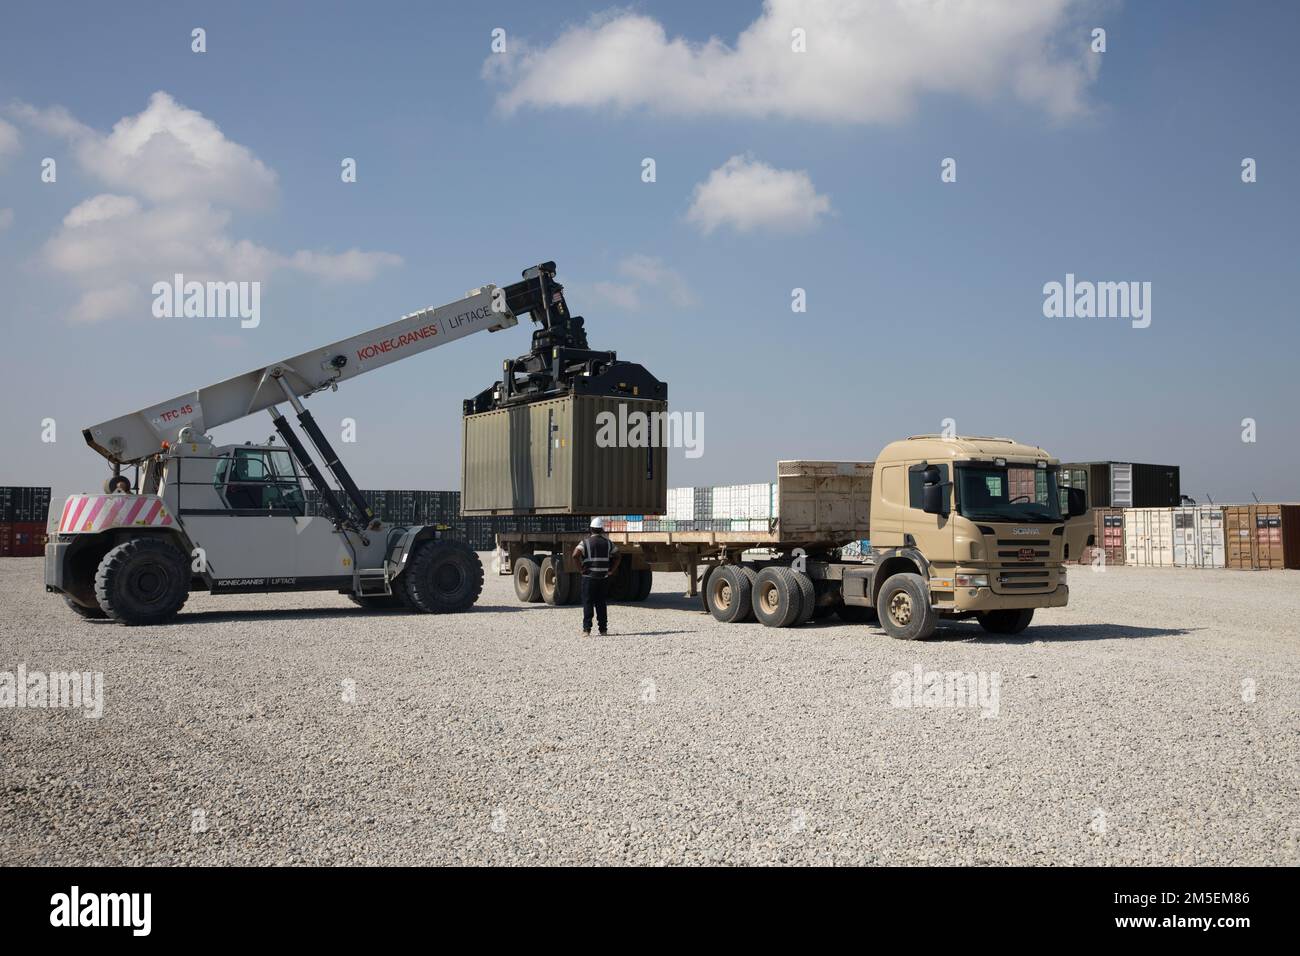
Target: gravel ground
[1125, 732]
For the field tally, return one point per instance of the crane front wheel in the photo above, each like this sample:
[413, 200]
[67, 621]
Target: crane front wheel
[142, 581]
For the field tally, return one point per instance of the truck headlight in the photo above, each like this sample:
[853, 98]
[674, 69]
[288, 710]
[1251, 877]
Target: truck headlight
[972, 580]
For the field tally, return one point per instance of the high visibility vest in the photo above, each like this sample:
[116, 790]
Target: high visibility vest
[596, 553]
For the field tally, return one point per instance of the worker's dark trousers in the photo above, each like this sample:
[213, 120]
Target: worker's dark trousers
[595, 597]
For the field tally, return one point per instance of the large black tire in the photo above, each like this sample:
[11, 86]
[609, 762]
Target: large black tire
[777, 598]
[728, 593]
[378, 602]
[904, 608]
[645, 580]
[555, 582]
[528, 580]
[1006, 622]
[808, 593]
[575, 588]
[142, 581]
[856, 614]
[704, 587]
[95, 613]
[403, 593]
[444, 576]
[622, 585]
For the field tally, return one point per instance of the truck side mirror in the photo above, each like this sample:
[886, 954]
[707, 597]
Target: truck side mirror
[934, 493]
[1078, 501]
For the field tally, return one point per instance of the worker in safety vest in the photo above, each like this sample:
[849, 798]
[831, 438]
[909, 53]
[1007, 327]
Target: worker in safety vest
[600, 561]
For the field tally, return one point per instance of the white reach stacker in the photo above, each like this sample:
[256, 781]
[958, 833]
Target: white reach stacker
[232, 519]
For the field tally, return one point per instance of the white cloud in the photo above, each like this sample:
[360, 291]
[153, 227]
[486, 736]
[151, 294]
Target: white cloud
[167, 152]
[642, 275]
[866, 61]
[175, 176]
[6, 219]
[8, 139]
[749, 195]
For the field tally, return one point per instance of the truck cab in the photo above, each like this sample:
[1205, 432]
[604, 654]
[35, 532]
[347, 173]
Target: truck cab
[968, 527]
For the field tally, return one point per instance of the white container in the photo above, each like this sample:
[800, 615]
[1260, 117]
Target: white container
[1149, 537]
[1198, 537]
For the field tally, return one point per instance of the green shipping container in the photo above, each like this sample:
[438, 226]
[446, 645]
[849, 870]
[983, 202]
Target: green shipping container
[581, 454]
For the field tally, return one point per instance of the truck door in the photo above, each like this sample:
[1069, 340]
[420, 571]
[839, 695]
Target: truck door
[249, 530]
[888, 502]
[932, 534]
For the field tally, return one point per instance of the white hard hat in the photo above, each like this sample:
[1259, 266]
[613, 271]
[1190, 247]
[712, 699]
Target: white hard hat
[597, 524]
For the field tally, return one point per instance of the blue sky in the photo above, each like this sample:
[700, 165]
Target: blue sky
[924, 298]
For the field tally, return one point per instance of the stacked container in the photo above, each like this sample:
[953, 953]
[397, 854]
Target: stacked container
[1262, 537]
[1109, 533]
[1149, 537]
[24, 516]
[1198, 537]
[1121, 484]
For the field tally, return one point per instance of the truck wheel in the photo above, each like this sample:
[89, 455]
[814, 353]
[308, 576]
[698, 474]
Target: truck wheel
[778, 600]
[555, 582]
[1006, 622]
[575, 588]
[378, 602]
[856, 614]
[808, 597]
[645, 580]
[904, 608]
[444, 576]
[528, 578]
[621, 585]
[704, 587]
[95, 613]
[142, 581]
[727, 591]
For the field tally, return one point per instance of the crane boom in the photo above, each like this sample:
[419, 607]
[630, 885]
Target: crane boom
[130, 438]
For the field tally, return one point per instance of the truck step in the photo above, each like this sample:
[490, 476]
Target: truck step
[370, 582]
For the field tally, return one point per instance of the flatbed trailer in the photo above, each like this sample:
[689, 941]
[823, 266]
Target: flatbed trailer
[822, 506]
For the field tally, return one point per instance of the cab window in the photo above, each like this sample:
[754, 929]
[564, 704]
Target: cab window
[916, 483]
[259, 479]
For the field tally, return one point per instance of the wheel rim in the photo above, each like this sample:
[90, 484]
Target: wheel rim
[548, 578]
[448, 577]
[771, 599]
[900, 608]
[723, 595]
[149, 583]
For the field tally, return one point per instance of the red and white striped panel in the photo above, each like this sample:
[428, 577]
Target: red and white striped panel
[89, 513]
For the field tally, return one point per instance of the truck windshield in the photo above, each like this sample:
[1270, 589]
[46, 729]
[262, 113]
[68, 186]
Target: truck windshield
[1010, 493]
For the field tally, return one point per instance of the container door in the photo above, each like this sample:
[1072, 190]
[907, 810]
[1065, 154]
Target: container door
[1121, 485]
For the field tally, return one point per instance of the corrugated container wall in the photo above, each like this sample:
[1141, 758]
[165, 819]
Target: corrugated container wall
[1119, 484]
[1262, 537]
[1198, 537]
[1149, 537]
[544, 458]
[1110, 533]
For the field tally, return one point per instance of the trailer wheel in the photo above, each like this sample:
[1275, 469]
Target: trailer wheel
[555, 583]
[622, 586]
[778, 600]
[528, 577]
[1006, 622]
[142, 581]
[808, 596]
[575, 588]
[728, 591]
[444, 576]
[378, 602]
[95, 613]
[904, 608]
[704, 587]
[645, 580]
[856, 614]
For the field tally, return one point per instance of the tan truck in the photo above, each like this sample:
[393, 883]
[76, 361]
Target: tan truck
[959, 528]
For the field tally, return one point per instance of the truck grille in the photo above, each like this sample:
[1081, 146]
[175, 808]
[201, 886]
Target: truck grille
[1024, 578]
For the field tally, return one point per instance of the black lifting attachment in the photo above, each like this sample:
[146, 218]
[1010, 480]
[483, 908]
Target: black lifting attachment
[327, 454]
